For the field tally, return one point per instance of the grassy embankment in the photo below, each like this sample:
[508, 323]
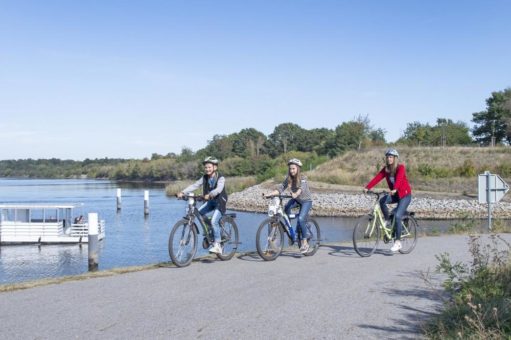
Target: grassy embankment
[430, 169]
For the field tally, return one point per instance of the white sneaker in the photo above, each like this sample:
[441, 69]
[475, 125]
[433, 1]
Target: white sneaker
[217, 248]
[397, 246]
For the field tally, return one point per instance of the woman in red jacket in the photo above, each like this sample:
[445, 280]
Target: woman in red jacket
[400, 191]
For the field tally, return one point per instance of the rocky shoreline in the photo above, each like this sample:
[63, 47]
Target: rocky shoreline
[354, 204]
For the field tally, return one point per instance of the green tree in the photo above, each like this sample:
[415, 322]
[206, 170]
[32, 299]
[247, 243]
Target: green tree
[284, 138]
[495, 120]
[445, 132]
[351, 135]
[248, 143]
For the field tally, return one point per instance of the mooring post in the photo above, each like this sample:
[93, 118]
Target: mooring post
[118, 199]
[146, 202]
[93, 241]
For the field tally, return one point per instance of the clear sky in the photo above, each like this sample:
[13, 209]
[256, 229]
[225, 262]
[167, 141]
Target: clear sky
[104, 78]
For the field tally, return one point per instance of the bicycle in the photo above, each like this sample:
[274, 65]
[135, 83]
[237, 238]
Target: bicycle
[184, 234]
[270, 234]
[369, 229]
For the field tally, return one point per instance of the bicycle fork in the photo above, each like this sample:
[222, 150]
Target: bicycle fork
[289, 228]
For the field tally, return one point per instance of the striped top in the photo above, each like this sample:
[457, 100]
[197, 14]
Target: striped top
[302, 184]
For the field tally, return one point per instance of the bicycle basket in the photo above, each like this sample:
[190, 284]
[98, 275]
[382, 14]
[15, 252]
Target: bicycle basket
[274, 206]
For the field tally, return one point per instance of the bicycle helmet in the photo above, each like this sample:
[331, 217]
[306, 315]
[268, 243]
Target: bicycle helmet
[211, 160]
[391, 152]
[295, 161]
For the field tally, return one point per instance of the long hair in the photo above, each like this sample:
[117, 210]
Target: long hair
[295, 181]
[391, 168]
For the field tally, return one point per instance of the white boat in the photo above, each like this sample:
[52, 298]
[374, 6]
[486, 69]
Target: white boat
[44, 223]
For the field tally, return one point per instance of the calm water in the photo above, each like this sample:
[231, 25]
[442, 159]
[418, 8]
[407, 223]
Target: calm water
[131, 239]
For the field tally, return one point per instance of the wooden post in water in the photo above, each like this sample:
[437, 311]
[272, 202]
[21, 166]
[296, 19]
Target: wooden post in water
[93, 241]
[118, 199]
[146, 202]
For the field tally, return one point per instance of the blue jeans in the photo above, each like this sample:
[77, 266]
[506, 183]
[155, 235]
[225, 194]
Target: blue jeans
[210, 206]
[302, 216]
[402, 205]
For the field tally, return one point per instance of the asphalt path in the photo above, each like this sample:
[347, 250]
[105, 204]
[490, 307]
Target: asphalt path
[334, 294]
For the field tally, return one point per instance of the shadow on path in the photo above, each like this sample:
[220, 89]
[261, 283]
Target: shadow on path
[411, 322]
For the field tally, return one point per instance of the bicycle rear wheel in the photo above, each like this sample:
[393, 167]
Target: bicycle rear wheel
[230, 238]
[366, 235]
[315, 232]
[269, 239]
[183, 243]
[408, 235]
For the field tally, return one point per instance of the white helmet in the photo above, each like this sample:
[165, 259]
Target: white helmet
[391, 152]
[295, 161]
[211, 160]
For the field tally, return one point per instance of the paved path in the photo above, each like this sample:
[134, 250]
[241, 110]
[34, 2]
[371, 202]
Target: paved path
[334, 294]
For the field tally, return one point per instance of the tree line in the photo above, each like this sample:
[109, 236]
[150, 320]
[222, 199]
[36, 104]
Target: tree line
[251, 152]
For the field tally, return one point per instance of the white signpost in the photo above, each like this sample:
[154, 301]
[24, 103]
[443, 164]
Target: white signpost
[491, 189]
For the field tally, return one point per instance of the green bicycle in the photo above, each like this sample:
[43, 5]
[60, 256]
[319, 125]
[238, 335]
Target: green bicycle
[369, 230]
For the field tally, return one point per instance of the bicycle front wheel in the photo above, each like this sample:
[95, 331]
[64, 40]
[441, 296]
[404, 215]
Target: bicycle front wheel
[315, 236]
[183, 243]
[269, 239]
[230, 238]
[366, 235]
[408, 235]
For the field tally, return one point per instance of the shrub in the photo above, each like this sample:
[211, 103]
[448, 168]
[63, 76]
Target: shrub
[425, 170]
[479, 302]
[467, 169]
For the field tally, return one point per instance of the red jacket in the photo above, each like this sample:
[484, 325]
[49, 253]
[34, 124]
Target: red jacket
[400, 183]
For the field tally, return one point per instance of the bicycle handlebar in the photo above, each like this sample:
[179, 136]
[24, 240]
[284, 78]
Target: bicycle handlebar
[279, 196]
[185, 198]
[377, 193]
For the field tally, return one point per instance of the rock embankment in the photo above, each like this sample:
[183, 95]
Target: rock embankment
[353, 204]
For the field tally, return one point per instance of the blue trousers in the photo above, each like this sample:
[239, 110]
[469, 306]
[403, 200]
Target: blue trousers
[210, 206]
[402, 205]
[305, 207]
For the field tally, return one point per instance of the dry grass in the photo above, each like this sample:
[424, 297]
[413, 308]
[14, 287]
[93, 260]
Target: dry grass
[451, 169]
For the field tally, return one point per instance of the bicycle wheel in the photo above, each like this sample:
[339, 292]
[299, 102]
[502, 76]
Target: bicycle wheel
[366, 235]
[313, 229]
[183, 243]
[230, 238]
[408, 234]
[269, 239]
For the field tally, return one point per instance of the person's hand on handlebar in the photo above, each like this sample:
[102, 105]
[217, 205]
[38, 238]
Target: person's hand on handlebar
[273, 193]
[206, 197]
[180, 194]
[365, 190]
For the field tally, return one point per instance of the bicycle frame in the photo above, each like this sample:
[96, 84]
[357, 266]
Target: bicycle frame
[379, 222]
[280, 216]
[193, 213]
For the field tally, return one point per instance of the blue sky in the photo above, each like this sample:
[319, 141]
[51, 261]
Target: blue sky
[92, 79]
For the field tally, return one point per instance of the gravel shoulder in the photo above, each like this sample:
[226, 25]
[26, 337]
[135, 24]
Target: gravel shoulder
[336, 200]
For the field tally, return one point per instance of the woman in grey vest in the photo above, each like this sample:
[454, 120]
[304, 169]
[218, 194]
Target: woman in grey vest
[301, 198]
[213, 190]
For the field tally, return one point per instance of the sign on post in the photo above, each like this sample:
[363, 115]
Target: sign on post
[491, 189]
[496, 187]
